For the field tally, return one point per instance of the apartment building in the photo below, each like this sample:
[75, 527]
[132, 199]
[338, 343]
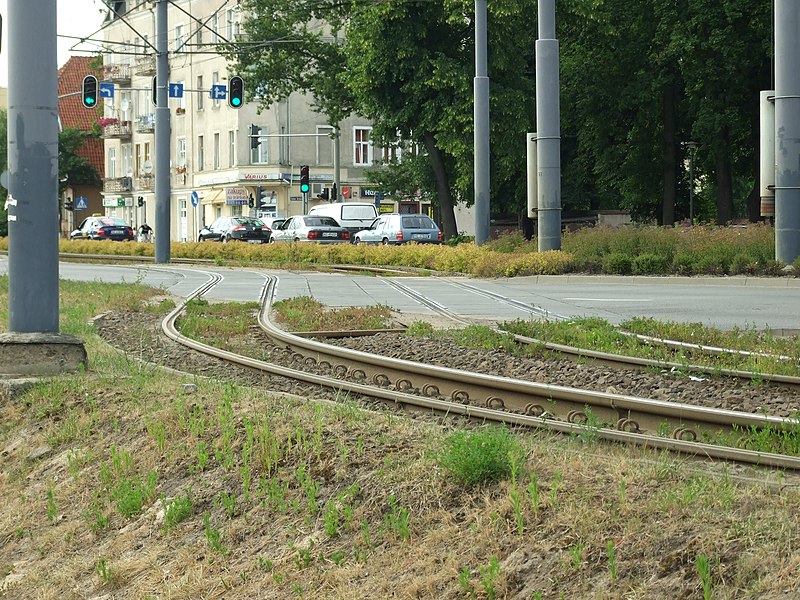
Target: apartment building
[219, 156]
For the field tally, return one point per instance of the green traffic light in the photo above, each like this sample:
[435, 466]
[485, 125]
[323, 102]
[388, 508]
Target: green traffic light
[304, 188]
[236, 101]
[90, 101]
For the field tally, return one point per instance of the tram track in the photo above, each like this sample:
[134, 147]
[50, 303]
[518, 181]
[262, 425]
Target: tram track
[619, 418]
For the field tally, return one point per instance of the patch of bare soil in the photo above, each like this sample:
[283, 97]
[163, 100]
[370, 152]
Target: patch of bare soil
[128, 483]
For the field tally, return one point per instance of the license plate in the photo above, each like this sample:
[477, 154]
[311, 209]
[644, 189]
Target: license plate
[253, 241]
[332, 234]
[117, 232]
[419, 236]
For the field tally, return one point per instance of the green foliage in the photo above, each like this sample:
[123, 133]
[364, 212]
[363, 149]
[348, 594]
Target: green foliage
[177, 510]
[649, 264]
[617, 263]
[484, 456]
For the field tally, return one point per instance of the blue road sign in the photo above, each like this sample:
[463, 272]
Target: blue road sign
[176, 90]
[106, 89]
[219, 92]
[195, 198]
[81, 203]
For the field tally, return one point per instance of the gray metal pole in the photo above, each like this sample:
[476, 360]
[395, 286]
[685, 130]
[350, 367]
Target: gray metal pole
[787, 130]
[337, 163]
[162, 213]
[33, 168]
[548, 129]
[481, 138]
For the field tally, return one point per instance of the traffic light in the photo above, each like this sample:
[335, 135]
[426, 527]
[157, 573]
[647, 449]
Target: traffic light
[262, 197]
[140, 202]
[255, 140]
[235, 92]
[250, 201]
[89, 96]
[68, 205]
[325, 195]
[304, 179]
[154, 95]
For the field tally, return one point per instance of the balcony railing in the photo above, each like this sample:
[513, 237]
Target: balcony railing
[117, 130]
[117, 73]
[145, 65]
[117, 184]
[146, 123]
[145, 182]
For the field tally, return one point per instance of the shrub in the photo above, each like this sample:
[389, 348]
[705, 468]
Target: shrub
[743, 264]
[684, 263]
[480, 457]
[617, 264]
[649, 264]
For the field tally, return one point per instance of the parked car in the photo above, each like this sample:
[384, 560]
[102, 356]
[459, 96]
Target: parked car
[353, 216]
[103, 228]
[324, 230]
[394, 228]
[273, 222]
[243, 229]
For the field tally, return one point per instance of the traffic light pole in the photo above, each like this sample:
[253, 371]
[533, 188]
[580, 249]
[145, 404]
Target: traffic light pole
[162, 191]
[481, 133]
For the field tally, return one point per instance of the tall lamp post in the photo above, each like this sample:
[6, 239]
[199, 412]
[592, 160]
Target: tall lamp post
[692, 146]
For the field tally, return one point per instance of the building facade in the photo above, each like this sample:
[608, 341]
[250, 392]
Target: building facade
[220, 157]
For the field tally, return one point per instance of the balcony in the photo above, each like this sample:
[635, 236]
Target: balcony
[117, 185]
[113, 129]
[145, 182]
[145, 123]
[145, 65]
[117, 73]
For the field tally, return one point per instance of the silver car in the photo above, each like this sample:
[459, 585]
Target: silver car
[394, 228]
[324, 230]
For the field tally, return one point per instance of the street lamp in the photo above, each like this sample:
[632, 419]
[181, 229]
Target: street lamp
[692, 146]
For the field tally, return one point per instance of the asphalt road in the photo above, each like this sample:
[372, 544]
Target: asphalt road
[722, 302]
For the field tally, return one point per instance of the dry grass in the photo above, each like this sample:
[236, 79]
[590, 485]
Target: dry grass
[656, 511]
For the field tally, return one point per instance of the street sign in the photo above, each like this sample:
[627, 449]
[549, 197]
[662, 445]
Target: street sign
[81, 203]
[195, 198]
[219, 92]
[176, 90]
[107, 90]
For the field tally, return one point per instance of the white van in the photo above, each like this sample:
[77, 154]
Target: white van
[354, 216]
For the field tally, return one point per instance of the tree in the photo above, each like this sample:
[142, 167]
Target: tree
[72, 167]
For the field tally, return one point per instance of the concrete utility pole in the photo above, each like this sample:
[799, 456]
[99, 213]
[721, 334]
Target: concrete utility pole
[162, 130]
[481, 136]
[33, 167]
[787, 130]
[33, 344]
[548, 129]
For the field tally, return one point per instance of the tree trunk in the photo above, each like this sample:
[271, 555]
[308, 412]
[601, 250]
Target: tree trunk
[670, 156]
[525, 224]
[449, 228]
[724, 179]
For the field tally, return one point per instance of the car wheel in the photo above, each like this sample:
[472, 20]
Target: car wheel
[271, 240]
[200, 238]
[357, 241]
[385, 241]
[224, 239]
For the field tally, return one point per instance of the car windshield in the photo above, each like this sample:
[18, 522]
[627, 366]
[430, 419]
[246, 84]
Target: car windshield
[418, 222]
[113, 222]
[320, 222]
[248, 222]
[358, 212]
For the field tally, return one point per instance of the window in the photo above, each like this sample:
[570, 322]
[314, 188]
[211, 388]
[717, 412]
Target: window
[138, 165]
[147, 150]
[179, 39]
[127, 159]
[392, 152]
[182, 99]
[112, 162]
[201, 97]
[198, 39]
[362, 149]
[214, 28]
[259, 154]
[216, 151]
[180, 155]
[215, 81]
[125, 105]
[200, 151]
[325, 145]
[231, 148]
[232, 25]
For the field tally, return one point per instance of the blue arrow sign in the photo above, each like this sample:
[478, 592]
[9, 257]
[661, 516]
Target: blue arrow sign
[219, 92]
[195, 198]
[81, 203]
[106, 89]
[176, 90]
